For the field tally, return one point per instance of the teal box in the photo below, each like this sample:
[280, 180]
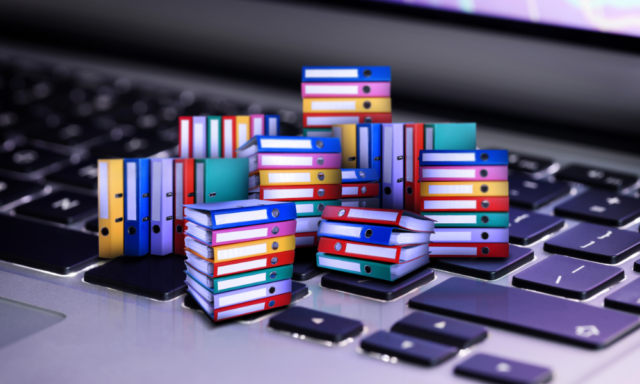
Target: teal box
[450, 136]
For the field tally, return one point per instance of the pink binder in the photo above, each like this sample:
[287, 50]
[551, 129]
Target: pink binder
[257, 125]
[363, 89]
[294, 161]
[242, 234]
[464, 173]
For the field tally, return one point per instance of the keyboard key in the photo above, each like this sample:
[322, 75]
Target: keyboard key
[305, 266]
[83, 175]
[441, 329]
[595, 242]
[597, 177]
[636, 266]
[29, 159]
[601, 207]
[61, 207]
[68, 136]
[91, 225]
[137, 146]
[626, 298]
[485, 268]
[527, 227]
[12, 190]
[528, 163]
[56, 250]
[499, 370]
[568, 277]
[528, 312]
[377, 289]
[316, 324]
[156, 277]
[408, 348]
[533, 194]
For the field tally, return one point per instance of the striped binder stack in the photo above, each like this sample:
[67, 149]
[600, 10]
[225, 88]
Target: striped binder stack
[344, 95]
[360, 188]
[382, 244]
[303, 170]
[239, 256]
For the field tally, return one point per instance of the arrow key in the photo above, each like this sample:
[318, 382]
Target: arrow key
[316, 324]
[441, 329]
[601, 207]
[408, 348]
[499, 370]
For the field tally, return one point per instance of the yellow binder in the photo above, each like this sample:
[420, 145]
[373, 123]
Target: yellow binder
[347, 105]
[242, 131]
[295, 177]
[110, 208]
[254, 248]
[348, 142]
[465, 188]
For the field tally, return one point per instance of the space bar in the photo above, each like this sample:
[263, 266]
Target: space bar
[527, 312]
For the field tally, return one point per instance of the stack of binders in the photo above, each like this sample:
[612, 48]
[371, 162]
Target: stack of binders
[344, 95]
[360, 185]
[203, 137]
[239, 256]
[377, 243]
[467, 193]
[303, 170]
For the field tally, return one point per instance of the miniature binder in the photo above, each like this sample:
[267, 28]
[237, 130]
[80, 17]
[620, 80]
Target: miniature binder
[371, 234]
[439, 250]
[360, 175]
[240, 234]
[240, 280]
[257, 125]
[240, 309]
[316, 132]
[214, 136]
[323, 120]
[357, 89]
[243, 131]
[307, 224]
[360, 190]
[161, 206]
[345, 74]
[347, 105]
[289, 144]
[477, 157]
[367, 202]
[393, 166]
[242, 250]
[465, 204]
[296, 177]
[390, 217]
[413, 144]
[266, 161]
[136, 207]
[239, 296]
[387, 254]
[470, 235]
[348, 139]
[228, 137]
[465, 173]
[450, 136]
[199, 137]
[469, 219]
[464, 188]
[369, 147]
[368, 268]
[184, 193]
[226, 268]
[313, 208]
[184, 138]
[110, 208]
[230, 214]
[221, 180]
[297, 193]
[272, 125]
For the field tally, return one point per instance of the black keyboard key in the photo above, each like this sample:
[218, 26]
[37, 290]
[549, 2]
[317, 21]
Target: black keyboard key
[529, 164]
[305, 266]
[29, 159]
[485, 268]
[137, 146]
[533, 194]
[528, 312]
[601, 207]
[597, 177]
[316, 324]
[12, 190]
[441, 329]
[56, 250]
[568, 277]
[156, 277]
[626, 298]
[636, 266]
[408, 348]
[61, 207]
[375, 288]
[499, 370]
[83, 175]
[595, 242]
[527, 227]
[91, 225]
[68, 137]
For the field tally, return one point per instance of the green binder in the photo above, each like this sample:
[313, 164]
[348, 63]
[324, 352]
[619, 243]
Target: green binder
[313, 208]
[469, 219]
[214, 136]
[450, 136]
[243, 280]
[368, 268]
[221, 180]
[316, 132]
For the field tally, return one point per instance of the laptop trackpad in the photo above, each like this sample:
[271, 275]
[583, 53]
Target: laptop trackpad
[21, 320]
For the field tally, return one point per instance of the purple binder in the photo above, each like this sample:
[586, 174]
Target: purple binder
[393, 166]
[161, 206]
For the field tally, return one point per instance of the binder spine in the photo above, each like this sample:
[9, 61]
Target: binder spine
[110, 208]
[393, 166]
[465, 204]
[252, 232]
[199, 137]
[272, 125]
[414, 143]
[242, 131]
[464, 173]
[184, 139]
[257, 125]
[471, 235]
[306, 239]
[439, 250]
[214, 137]
[299, 177]
[464, 188]
[327, 120]
[347, 105]
[184, 193]
[469, 219]
[313, 208]
[385, 254]
[481, 157]
[355, 266]
[359, 175]
[136, 201]
[161, 206]
[298, 193]
[356, 89]
[228, 137]
[346, 74]
[252, 307]
[371, 202]
[360, 190]
[292, 144]
[361, 232]
[227, 268]
[267, 161]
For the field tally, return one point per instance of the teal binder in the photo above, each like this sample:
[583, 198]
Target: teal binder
[450, 136]
[220, 180]
[241, 280]
[368, 268]
[214, 136]
[313, 208]
[469, 219]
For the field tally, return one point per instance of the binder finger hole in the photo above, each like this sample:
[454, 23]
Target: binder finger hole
[367, 73]
[387, 190]
[319, 144]
[320, 192]
[484, 157]
[275, 212]
[275, 230]
[320, 207]
[104, 231]
[368, 233]
[484, 188]
[363, 190]
[484, 235]
[367, 104]
[484, 173]
[273, 274]
[409, 191]
[320, 160]
[485, 204]
[320, 176]
[337, 247]
[366, 89]
[156, 229]
[368, 119]
[275, 245]
[272, 290]
[341, 213]
[272, 303]
[485, 250]
[361, 174]
[367, 269]
[131, 230]
[274, 260]
[179, 229]
[484, 219]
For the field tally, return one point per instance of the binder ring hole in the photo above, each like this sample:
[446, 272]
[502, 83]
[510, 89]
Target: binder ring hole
[387, 190]
[363, 190]
[320, 176]
[361, 173]
[368, 119]
[274, 260]
[484, 157]
[366, 89]
[409, 191]
[156, 229]
[319, 144]
[485, 250]
[484, 188]
[367, 73]
[320, 160]
[484, 173]
[368, 233]
[337, 247]
[367, 104]
[484, 235]
[341, 213]
[275, 230]
[484, 219]
[320, 207]
[273, 274]
[131, 230]
[179, 229]
[275, 245]
[320, 192]
[272, 303]
[104, 231]
[363, 204]
[485, 204]
[367, 269]
[275, 212]
[272, 290]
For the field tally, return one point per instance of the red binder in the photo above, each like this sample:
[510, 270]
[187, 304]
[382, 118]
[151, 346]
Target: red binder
[185, 124]
[259, 305]
[469, 250]
[306, 239]
[187, 186]
[413, 144]
[386, 254]
[388, 217]
[464, 204]
[321, 120]
[299, 192]
[248, 264]
[228, 137]
[360, 190]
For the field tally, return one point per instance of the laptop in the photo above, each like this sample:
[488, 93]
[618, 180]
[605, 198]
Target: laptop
[554, 82]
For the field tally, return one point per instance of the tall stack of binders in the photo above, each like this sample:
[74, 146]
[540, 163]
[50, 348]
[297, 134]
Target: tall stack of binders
[303, 170]
[239, 256]
[382, 244]
[344, 95]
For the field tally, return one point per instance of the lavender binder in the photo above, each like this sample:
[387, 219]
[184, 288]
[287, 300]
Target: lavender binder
[161, 206]
[393, 166]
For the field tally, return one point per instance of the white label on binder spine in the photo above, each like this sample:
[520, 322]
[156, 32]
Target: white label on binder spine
[448, 173]
[450, 204]
[349, 175]
[408, 151]
[304, 208]
[132, 178]
[200, 183]
[339, 264]
[199, 141]
[277, 178]
[228, 138]
[241, 235]
[454, 219]
[240, 267]
[319, 121]
[184, 138]
[179, 193]
[156, 190]
[307, 224]
[363, 146]
[350, 191]
[242, 135]
[226, 254]
[350, 203]
[387, 142]
[243, 297]
[331, 73]
[449, 156]
[333, 105]
[444, 237]
[373, 215]
[457, 251]
[340, 230]
[285, 144]
[103, 178]
[232, 283]
[451, 189]
[214, 130]
[358, 249]
[271, 160]
[331, 89]
[240, 311]
[288, 193]
[258, 126]
[305, 240]
[240, 217]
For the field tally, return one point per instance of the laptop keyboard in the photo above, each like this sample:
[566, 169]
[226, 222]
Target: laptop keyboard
[56, 121]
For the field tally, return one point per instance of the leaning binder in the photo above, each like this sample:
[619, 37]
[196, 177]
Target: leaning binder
[397, 218]
[346, 133]
[393, 166]
[264, 161]
[439, 250]
[214, 137]
[296, 177]
[240, 234]
[240, 280]
[289, 144]
[371, 234]
[323, 120]
[387, 254]
[232, 267]
[413, 144]
[465, 173]
[243, 131]
[477, 157]
[313, 208]
[465, 204]
[369, 147]
[161, 206]
[228, 137]
[360, 190]
[297, 193]
[345, 74]
[240, 309]
[450, 136]
[469, 219]
[242, 250]
[184, 139]
[221, 180]
[464, 188]
[360, 175]
[471, 235]
[368, 268]
[184, 193]
[357, 89]
[347, 104]
[110, 208]
[239, 296]
[199, 137]
[136, 207]
[229, 214]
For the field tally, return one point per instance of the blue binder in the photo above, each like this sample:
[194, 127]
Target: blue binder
[239, 213]
[369, 146]
[477, 157]
[359, 175]
[364, 233]
[340, 74]
[289, 144]
[136, 207]
[272, 125]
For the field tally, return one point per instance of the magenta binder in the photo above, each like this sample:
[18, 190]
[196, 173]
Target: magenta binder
[361, 89]
[256, 123]
[393, 166]
[464, 173]
[241, 234]
[294, 161]
[161, 206]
